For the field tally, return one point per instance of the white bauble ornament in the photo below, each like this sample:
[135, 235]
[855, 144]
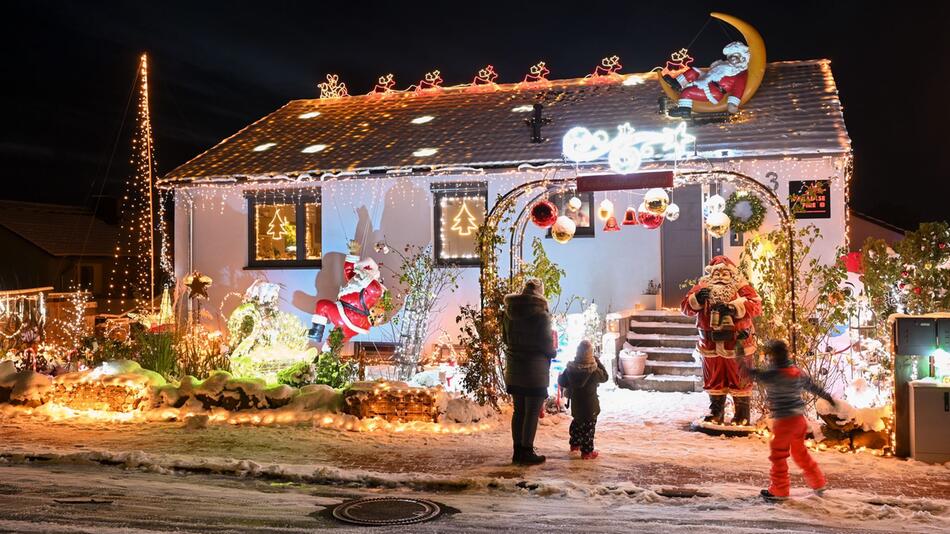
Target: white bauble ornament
[606, 209]
[714, 204]
[563, 229]
[717, 224]
[656, 201]
[672, 212]
[574, 204]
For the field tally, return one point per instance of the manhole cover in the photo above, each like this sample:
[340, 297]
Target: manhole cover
[386, 511]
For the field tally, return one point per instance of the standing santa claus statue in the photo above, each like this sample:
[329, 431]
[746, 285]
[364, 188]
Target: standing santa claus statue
[724, 304]
[351, 310]
[725, 78]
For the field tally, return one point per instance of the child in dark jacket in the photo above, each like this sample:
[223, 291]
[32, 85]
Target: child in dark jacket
[581, 378]
[784, 384]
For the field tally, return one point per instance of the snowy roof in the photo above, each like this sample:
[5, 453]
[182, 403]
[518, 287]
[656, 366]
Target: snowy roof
[796, 111]
[59, 230]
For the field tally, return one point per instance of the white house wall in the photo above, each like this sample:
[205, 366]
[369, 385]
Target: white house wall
[610, 269]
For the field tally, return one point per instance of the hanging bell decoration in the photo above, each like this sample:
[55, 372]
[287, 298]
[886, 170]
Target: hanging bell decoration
[672, 212]
[543, 213]
[630, 217]
[649, 219]
[611, 225]
[563, 229]
[574, 204]
[717, 224]
[656, 200]
[606, 209]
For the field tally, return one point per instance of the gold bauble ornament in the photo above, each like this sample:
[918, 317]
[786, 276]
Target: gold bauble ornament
[563, 229]
[717, 224]
[656, 200]
[606, 209]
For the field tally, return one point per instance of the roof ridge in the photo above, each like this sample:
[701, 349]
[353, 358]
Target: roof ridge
[608, 79]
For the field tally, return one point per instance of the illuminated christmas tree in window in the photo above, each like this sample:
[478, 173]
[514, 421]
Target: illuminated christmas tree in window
[277, 226]
[464, 222]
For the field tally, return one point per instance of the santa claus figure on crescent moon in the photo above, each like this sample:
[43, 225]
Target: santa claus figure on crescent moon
[351, 311]
[724, 304]
[724, 79]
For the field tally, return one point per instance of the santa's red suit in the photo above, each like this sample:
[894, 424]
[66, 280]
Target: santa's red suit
[721, 80]
[738, 300]
[351, 311]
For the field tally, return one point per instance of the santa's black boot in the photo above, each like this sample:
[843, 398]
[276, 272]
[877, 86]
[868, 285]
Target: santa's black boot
[673, 82]
[717, 407]
[316, 332]
[680, 111]
[742, 416]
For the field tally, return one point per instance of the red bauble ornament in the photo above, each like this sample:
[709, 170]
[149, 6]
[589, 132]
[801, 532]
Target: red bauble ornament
[905, 274]
[942, 245]
[649, 219]
[611, 225]
[543, 213]
[917, 290]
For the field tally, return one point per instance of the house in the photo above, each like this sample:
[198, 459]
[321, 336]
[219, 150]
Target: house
[64, 247]
[282, 198]
[863, 226]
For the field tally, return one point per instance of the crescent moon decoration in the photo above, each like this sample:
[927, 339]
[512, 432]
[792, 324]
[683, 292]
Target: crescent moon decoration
[756, 66]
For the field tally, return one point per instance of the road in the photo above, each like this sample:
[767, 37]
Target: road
[101, 499]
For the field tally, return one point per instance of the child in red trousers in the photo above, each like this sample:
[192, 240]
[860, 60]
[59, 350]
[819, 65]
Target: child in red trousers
[784, 383]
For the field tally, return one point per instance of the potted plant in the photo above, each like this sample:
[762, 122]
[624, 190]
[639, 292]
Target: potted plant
[650, 299]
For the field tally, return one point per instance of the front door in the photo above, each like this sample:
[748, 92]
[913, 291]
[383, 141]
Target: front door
[681, 245]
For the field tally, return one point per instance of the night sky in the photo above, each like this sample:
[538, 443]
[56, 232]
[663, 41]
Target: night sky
[217, 66]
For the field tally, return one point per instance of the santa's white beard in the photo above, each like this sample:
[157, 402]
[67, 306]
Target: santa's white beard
[723, 292]
[719, 70]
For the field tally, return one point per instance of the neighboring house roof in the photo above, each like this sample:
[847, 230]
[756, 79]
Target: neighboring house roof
[59, 230]
[795, 111]
[864, 226]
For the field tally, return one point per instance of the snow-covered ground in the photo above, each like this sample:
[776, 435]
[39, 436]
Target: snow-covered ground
[647, 451]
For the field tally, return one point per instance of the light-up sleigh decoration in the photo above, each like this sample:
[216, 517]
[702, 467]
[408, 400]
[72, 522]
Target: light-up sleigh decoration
[629, 149]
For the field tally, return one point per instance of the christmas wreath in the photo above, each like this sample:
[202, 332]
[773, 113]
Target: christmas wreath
[745, 211]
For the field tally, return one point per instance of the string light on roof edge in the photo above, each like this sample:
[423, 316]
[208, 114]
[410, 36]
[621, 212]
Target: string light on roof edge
[133, 274]
[425, 152]
[333, 87]
[309, 115]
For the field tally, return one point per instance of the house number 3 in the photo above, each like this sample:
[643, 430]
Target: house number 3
[773, 180]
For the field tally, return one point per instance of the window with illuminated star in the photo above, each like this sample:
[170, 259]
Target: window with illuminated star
[284, 229]
[459, 211]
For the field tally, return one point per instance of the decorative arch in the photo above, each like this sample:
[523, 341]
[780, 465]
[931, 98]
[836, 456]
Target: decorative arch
[518, 226]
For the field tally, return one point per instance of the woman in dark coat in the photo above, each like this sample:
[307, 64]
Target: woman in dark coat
[529, 349]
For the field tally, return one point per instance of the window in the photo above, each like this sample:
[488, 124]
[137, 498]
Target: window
[284, 229]
[459, 212]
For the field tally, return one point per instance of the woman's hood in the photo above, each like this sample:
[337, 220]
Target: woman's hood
[519, 305]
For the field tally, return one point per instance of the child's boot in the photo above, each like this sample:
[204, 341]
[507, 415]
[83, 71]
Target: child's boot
[590, 455]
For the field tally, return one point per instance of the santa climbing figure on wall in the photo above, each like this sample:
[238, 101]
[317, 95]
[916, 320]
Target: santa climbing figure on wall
[352, 310]
[724, 304]
[724, 79]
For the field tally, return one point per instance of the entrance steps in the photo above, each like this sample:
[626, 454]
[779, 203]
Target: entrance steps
[668, 339]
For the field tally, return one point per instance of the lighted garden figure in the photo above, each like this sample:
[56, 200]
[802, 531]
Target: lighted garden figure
[724, 304]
